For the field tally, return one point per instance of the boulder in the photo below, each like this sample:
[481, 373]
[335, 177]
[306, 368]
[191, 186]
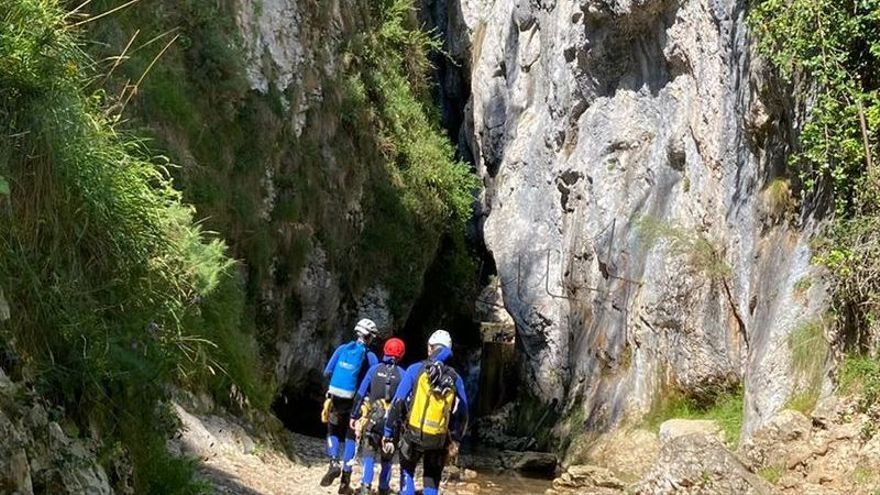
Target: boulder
[674, 428]
[536, 462]
[784, 439]
[208, 436]
[700, 464]
[627, 453]
[586, 475]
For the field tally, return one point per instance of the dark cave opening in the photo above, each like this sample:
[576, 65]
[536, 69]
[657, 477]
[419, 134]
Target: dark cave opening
[299, 407]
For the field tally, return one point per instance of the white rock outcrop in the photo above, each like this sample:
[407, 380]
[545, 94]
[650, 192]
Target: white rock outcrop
[626, 147]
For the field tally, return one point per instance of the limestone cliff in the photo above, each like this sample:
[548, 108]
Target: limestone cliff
[635, 205]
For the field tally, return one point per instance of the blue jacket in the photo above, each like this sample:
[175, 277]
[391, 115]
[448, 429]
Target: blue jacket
[365, 385]
[458, 422]
[331, 364]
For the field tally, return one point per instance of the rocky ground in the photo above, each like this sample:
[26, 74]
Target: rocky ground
[235, 463]
[834, 450]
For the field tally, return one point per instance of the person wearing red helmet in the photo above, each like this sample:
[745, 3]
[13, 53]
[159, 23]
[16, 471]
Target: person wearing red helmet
[374, 395]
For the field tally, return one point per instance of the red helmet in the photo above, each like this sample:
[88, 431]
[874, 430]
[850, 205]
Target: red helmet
[395, 348]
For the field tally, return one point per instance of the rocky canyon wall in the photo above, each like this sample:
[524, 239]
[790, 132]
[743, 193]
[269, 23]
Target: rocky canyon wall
[635, 203]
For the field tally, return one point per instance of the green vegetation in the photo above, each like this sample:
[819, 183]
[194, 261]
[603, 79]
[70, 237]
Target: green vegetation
[832, 49]
[114, 290]
[861, 375]
[425, 192]
[803, 286]
[863, 475]
[724, 407]
[702, 254]
[809, 350]
[117, 287]
[372, 140]
[777, 196]
[772, 473]
[829, 51]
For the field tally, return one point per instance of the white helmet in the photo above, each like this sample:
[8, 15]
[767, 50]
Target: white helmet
[441, 337]
[366, 328]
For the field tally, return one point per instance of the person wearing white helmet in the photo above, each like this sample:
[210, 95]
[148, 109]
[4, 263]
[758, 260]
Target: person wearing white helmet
[436, 417]
[345, 370]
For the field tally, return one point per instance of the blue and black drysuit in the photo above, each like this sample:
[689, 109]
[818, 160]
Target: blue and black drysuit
[380, 383]
[434, 460]
[342, 401]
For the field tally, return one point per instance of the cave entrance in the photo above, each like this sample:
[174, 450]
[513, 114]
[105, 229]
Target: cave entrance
[299, 406]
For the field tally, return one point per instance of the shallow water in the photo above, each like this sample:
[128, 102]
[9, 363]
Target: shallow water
[512, 483]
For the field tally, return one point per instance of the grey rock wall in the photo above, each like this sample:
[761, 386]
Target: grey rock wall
[628, 151]
[295, 51]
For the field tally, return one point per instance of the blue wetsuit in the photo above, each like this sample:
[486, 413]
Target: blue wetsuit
[434, 460]
[381, 382]
[340, 411]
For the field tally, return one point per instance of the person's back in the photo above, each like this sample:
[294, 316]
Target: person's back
[435, 417]
[344, 370]
[374, 401]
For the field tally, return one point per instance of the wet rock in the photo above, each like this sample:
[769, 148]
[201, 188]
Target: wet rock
[586, 475]
[490, 305]
[303, 348]
[535, 462]
[375, 305]
[701, 464]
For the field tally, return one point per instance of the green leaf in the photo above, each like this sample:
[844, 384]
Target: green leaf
[4, 186]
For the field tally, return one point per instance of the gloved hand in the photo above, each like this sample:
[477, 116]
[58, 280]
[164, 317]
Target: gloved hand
[325, 411]
[387, 446]
[452, 450]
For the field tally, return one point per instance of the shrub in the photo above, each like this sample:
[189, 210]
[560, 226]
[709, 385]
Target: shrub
[115, 292]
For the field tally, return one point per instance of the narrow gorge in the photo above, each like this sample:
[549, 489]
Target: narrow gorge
[654, 282]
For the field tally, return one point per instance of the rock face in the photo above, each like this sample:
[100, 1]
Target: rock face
[36, 456]
[294, 57]
[631, 153]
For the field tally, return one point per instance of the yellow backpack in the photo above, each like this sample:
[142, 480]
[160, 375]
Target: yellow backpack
[431, 407]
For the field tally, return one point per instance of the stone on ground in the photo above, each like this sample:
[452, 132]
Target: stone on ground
[674, 428]
[700, 464]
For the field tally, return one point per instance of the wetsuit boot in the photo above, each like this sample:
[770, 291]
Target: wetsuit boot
[345, 484]
[332, 473]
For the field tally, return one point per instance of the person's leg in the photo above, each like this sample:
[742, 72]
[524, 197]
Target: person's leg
[349, 449]
[409, 458]
[332, 442]
[335, 431]
[344, 408]
[370, 451]
[434, 463]
[385, 473]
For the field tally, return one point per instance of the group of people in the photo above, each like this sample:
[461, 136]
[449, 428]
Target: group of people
[381, 409]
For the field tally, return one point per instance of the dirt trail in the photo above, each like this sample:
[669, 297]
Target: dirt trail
[271, 473]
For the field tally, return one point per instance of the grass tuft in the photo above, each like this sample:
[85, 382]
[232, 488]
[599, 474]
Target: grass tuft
[772, 473]
[725, 408]
[701, 253]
